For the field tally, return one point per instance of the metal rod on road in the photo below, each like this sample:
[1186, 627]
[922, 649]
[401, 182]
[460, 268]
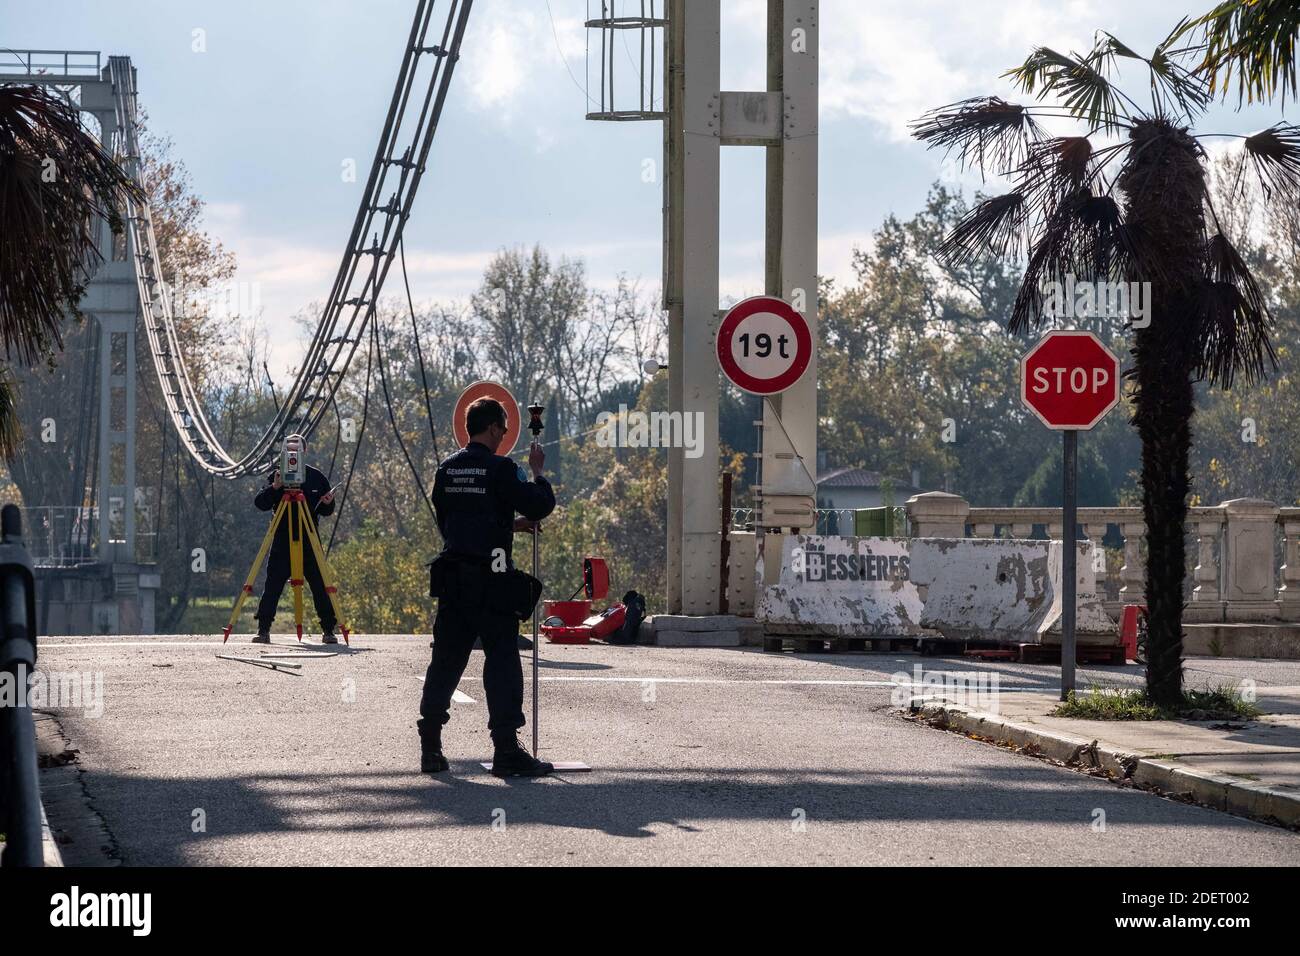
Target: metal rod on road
[1069, 555]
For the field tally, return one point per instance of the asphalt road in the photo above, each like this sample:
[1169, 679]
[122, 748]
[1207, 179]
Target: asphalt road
[700, 757]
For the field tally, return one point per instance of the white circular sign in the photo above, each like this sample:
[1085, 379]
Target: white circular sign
[764, 345]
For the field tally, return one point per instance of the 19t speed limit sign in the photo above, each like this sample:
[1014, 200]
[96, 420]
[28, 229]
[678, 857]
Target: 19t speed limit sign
[764, 345]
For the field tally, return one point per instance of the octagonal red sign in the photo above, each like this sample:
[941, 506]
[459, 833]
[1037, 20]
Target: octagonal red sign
[1070, 380]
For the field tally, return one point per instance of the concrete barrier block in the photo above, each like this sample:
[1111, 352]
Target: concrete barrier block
[1003, 590]
[843, 586]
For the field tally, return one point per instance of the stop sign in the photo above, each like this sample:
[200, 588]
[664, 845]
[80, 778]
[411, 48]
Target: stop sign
[1070, 380]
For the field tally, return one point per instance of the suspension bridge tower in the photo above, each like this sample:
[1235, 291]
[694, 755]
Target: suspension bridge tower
[699, 120]
[91, 576]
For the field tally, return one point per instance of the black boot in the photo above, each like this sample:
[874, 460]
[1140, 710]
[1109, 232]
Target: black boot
[431, 758]
[509, 759]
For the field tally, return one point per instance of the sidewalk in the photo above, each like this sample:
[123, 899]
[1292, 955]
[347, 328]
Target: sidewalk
[1246, 767]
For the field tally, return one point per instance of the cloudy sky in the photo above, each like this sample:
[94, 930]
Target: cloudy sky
[286, 91]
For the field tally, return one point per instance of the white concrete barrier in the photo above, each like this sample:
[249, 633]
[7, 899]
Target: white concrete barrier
[842, 586]
[1005, 590]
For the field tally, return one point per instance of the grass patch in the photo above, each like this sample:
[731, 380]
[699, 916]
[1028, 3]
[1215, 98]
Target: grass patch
[1113, 703]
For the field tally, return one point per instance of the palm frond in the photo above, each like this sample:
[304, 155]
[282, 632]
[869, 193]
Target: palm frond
[1053, 255]
[1055, 169]
[1256, 41]
[1171, 80]
[1084, 237]
[1080, 83]
[1027, 311]
[56, 181]
[11, 429]
[995, 225]
[1275, 154]
[1231, 320]
[1105, 245]
[985, 132]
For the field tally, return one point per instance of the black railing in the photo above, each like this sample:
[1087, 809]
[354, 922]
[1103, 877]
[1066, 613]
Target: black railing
[20, 794]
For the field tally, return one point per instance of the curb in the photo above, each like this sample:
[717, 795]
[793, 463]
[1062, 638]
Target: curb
[1213, 790]
[49, 846]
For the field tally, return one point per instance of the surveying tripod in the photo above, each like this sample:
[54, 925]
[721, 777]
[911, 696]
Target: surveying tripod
[292, 509]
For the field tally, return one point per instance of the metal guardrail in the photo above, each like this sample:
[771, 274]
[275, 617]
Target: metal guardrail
[78, 64]
[830, 521]
[61, 537]
[65, 536]
[20, 794]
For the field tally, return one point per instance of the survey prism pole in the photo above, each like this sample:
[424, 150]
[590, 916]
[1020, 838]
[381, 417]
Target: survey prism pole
[569, 766]
[535, 426]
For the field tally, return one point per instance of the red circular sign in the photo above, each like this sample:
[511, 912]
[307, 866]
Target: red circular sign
[487, 390]
[764, 346]
[1070, 380]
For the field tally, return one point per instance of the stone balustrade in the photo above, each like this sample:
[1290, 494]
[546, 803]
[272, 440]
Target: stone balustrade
[1237, 575]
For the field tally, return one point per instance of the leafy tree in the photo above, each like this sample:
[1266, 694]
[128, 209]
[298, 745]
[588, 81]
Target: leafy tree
[1045, 488]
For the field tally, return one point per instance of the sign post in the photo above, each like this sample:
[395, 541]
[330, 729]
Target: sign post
[764, 346]
[1070, 380]
[1069, 555]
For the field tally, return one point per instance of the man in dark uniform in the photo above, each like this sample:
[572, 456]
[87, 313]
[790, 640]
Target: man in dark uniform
[320, 502]
[476, 494]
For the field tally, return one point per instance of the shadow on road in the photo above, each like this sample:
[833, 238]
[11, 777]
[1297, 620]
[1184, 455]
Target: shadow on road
[152, 818]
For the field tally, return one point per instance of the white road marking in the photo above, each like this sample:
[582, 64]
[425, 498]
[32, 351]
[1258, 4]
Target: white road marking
[720, 681]
[45, 642]
[1004, 683]
[456, 696]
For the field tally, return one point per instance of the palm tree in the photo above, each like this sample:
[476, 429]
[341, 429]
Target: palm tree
[1256, 39]
[1125, 199]
[56, 183]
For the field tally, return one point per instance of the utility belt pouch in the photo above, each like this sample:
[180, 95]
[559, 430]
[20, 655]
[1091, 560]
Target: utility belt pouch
[460, 580]
[438, 577]
[523, 591]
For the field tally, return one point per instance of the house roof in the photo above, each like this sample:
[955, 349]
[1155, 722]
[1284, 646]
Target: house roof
[856, 478]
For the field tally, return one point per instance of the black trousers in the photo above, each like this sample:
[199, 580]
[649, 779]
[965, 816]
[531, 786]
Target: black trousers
[454, 631]
[277, 576]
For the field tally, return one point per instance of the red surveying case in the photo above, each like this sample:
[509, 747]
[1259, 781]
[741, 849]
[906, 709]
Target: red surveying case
[572, 621]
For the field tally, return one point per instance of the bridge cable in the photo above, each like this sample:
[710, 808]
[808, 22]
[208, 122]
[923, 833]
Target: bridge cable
[356, 450]
[338, 334]
[392, 418]
[419, 353]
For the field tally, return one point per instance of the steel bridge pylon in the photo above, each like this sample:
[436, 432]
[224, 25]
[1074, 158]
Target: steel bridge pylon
[700, 118]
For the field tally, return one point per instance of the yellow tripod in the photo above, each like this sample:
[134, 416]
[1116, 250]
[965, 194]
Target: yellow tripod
[293, 509]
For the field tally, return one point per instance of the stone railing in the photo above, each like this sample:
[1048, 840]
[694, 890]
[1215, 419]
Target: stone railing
[1246, 552]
